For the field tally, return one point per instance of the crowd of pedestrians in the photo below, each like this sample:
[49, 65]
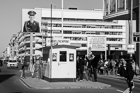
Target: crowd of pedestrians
[89, 66]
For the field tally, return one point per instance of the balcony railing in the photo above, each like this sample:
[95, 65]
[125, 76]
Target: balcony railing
[112, 6]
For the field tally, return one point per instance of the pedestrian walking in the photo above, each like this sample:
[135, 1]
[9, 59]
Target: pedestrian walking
[81, 67]
[1, 64]
[40, 68]
[94, 65]
[77, 68]
[37, 63]
[129, 74]
[106, 67]
[113, 66]
[23, 68]
[122, 66]
[89, 59]
[85, 70]
[32, 67]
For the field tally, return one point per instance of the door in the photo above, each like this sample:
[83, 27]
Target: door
[62, 64]
[72, 64]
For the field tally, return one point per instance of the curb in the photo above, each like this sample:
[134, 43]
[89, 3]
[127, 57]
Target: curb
[25, 84]
[109, 86]
[134, 79]
[30, 87]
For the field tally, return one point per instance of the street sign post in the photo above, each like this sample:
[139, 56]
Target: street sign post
[131, 49]
[136, 37]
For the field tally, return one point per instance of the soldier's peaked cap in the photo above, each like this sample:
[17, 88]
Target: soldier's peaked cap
[31, 13]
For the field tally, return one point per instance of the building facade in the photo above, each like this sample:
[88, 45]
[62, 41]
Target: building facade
[124, 10]
[119, 9]
[75, 26]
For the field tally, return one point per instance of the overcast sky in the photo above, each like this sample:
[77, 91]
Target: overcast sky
[10, 13]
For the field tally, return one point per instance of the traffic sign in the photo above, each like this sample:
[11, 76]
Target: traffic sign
[136, 37]
[131, 49]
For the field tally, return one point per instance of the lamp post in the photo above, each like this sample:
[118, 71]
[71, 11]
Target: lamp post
[51, 45]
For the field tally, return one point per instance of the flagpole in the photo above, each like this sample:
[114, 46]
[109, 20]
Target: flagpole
[62, 17]
[51, 46]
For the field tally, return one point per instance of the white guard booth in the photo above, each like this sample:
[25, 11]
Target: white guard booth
[63, 65]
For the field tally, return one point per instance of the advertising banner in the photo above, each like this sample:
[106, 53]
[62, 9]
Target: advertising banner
[31, 20]
[96, 43]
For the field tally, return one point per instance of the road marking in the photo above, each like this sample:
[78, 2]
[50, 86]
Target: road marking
[23, 83]
[120, 90]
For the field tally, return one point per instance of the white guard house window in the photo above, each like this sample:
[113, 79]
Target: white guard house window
[54, 57]
[71, 57]
[63, 56]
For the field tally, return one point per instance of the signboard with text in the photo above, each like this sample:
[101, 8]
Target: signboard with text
[131, 49]
[57, 41]
[96, 43]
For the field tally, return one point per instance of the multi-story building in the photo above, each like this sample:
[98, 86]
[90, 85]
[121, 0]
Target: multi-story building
[124, 10]
[13, 47]
[119, 9]
[6, 53]
[75, 25]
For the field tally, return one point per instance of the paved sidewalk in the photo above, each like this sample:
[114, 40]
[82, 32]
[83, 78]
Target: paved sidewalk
[36, 83]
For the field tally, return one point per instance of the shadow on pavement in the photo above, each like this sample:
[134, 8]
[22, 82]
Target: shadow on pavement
[4, 77]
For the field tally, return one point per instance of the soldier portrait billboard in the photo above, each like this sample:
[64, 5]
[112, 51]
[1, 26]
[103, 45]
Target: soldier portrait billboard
[31, 20]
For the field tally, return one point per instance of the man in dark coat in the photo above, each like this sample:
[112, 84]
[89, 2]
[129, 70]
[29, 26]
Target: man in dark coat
[1, 64]
[129, 74]
[31, 25]
[81, 67]
[94, 65]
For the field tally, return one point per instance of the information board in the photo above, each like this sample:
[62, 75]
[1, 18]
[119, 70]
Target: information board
[96, 43]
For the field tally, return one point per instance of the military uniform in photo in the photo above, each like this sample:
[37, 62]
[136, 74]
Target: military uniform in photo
[31, 26]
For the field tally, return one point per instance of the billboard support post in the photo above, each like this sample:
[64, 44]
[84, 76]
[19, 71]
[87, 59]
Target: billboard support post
[31, 46]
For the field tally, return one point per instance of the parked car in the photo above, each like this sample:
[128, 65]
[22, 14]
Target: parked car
[12, 63]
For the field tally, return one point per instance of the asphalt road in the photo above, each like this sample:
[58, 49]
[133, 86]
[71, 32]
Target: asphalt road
[118, 83]
[10, 83]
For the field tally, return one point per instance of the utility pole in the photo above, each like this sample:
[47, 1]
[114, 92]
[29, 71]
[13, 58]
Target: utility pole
[62, 17]
[51, 45]
[131, 26]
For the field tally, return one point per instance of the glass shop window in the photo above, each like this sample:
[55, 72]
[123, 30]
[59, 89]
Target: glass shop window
[63, 56]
